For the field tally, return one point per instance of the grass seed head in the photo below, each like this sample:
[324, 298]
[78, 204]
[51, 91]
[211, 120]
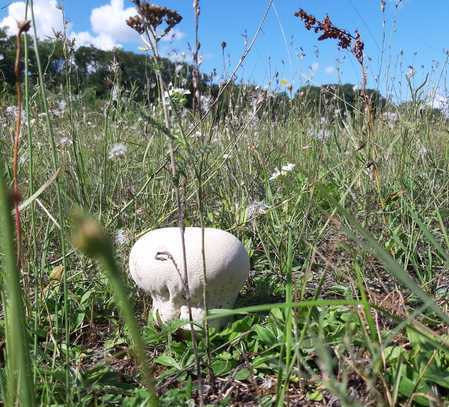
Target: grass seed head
[90, 237]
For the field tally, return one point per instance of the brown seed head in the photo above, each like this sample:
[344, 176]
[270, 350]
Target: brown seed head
[329, 31]
[90, 237]
[153, 16]
[23, 26]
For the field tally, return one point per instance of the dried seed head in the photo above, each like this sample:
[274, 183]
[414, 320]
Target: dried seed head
[329, 30]
[153, 16]
[90, 237]
[196, 7]
[136, 23]
[23, 26]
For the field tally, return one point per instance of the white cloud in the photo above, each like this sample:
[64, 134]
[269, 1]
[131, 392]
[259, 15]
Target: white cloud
[440, 102]
[330, 70]
[101, 41]
[108, 23]
[47, 15]
[110, 20]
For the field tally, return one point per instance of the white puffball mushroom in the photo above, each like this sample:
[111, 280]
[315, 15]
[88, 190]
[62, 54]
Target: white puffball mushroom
[156, 265]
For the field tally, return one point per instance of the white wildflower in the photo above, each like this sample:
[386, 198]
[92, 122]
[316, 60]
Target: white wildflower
[65, 142]
[410, 72]
[117, 151]
[2, 57]
[121, 237]
[115, 92]
[391, 117]
[178, 69]
[288, 167]
[205, 102]
[275, 174]
[11, 110]
[268, 383]
[23, 158]
[285, 169]
[61, 105]
[256, 208]
[423, 152]
[177, 92]
[321, 135]
[60, 108]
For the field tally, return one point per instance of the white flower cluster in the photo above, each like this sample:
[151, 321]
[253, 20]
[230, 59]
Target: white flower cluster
[117, 151]
[121, 237]
[176, 92]
[12, 112]
[256, 208]
[60, 108]
[64, 142]
[285, 169]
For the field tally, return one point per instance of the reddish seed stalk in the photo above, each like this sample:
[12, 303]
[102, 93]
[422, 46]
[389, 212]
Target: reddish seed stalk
[22, 27]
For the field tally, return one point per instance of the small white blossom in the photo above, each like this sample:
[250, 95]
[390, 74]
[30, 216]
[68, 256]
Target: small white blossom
[390, 116]
[285, 169]
[321, 135]
[23, 158]
[423, 152]
[205, 102]
[65, 142]
[60, 108]
[256, 208]
[178, 69]
[288, 167]
[118, 150]
[177, 92]
[2, 57]
[275, 174]
[410, 72]
[13, 112]
[115, 93]
[121, 237]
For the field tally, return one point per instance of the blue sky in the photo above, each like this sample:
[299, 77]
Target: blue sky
[416, 33]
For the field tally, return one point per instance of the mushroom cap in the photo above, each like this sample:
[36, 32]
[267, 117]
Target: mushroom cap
[156, 265]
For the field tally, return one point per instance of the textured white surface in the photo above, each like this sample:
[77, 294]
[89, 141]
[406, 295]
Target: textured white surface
[151, 265]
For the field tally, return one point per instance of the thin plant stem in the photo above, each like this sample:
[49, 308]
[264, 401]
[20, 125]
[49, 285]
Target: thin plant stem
[91, 239]
[20, 387]
[152, 41]
[61, 218]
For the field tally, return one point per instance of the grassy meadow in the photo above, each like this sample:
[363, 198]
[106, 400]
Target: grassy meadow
[343, 212]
